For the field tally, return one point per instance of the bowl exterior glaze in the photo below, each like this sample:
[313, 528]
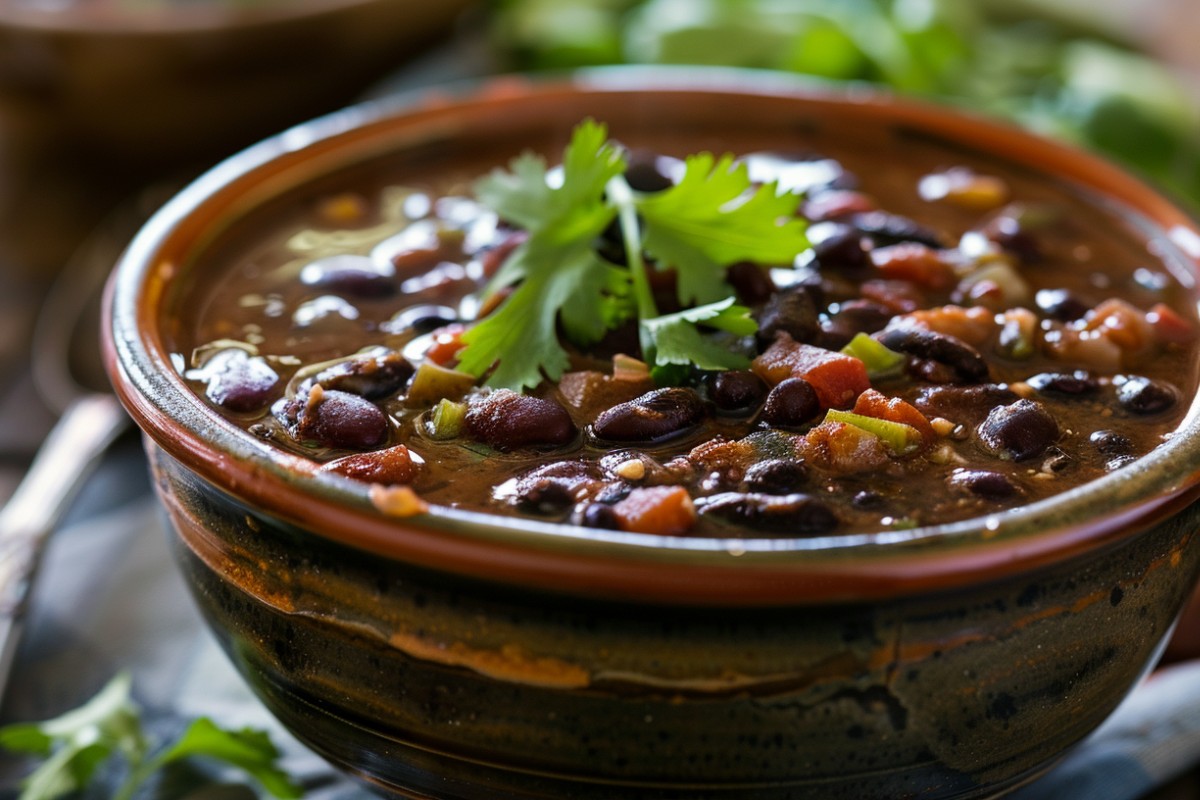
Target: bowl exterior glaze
[429, 686]
[460, 657]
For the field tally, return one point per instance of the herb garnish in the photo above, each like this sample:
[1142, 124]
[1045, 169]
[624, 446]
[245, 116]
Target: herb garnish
[77, 743]
[712, 218]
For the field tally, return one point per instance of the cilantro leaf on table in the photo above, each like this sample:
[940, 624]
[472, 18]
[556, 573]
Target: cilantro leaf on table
[710, 219]
[77, 743]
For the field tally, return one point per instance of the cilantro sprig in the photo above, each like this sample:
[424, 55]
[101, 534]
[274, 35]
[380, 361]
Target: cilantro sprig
[712, 218]
[76, 744]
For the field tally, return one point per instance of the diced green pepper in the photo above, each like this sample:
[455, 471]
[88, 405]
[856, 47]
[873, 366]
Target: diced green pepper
[901, 439]
[879, 360]
[446, 419]
[432, 383]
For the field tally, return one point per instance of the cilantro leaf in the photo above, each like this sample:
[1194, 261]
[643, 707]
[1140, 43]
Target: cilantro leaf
[712, 219]
[557, 268]
[678, 340]
[77, 743]
[248, 749]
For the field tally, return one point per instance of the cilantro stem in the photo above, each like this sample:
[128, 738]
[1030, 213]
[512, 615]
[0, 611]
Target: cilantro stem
[621, 195]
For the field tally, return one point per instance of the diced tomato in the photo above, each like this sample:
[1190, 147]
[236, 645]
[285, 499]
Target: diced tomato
[915, 262]
[875, 404]
[1169, 326]
[838, 447]
[1122, 323]
[836, 377]
[389, 467]
[662, 510]
[972, 325]
[447, 342]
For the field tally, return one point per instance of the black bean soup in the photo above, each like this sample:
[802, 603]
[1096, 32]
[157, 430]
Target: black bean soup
[961, 338]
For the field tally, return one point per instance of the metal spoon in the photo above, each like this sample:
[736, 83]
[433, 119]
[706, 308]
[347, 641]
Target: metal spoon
[67, 374]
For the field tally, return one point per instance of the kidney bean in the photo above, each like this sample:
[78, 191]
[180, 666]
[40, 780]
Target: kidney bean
[340, 419]
[963, 360]
[794, 310]
[1079, 382]
[506, 420]
[349, 274]
[791, 403]
[885, 229]
[1111, 443]
[1142, 396]
[798, 514]
[983, 483]
[736, 390]
[1060, 304]
[237, 381]
[653, 417]
[369, 377]
[1020, 430]
[775, 476]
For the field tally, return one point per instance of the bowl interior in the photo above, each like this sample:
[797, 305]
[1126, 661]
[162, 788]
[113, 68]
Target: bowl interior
[462, 131]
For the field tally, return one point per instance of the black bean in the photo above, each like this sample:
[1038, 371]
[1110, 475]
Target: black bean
[840, 247]
[506, 420]
[1009, 232]
[885, 229]
[775, 476]
[421, 319]
[340, 419]
[963, 360]
[369, 377]
[737, 390]
[551, 488]
[1079, 382]
[852, 317]
[653, 417]
[649, 172]
[798, 514]
[237, 381]
[1141, 395]
[1111, 443]
[794, 310]
[349, 274]
[1060, 304]
[983, 483]
[791, 403]
[599, 515]
[1020, 430]
[752, 283]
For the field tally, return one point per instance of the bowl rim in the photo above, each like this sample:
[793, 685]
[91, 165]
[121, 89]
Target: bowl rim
[643, 567]
[211, 17]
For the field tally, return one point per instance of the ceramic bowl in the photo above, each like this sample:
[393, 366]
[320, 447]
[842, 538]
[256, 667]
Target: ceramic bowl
[457, 655]
[168, 80]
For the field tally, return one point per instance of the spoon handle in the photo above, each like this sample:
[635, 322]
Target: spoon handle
[86, 428]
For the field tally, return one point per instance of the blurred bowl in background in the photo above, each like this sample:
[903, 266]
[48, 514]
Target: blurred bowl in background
[162, 81]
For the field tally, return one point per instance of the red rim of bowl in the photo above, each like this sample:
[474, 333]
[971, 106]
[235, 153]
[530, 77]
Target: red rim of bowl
[631, 566]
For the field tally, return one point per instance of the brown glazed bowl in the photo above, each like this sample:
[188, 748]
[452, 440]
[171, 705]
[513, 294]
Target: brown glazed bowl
[165, 80]
[454, 655]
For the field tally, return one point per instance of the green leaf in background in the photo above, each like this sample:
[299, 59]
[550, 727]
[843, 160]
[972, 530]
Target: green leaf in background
[1047, 64]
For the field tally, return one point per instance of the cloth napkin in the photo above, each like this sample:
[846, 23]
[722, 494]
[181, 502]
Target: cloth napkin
[109, 598]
